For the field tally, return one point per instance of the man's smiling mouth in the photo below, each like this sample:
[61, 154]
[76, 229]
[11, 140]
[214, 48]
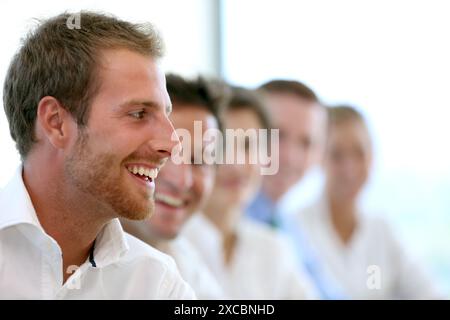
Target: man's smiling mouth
[169, 200]
[142, 172]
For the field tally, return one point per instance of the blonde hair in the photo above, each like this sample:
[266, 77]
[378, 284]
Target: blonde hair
[346, 114]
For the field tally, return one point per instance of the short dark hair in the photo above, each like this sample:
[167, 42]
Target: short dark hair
[55, 60]
[245, 99]
[210, 94]
[293, 87]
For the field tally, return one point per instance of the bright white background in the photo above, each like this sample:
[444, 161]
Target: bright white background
[389, 58]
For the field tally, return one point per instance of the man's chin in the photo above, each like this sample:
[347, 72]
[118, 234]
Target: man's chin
[169, 235]
[138, 215]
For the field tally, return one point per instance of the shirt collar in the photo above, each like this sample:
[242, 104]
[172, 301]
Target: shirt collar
[16, 208]
[15, 203]
[261, 207]
[111, 244]
[265, 200]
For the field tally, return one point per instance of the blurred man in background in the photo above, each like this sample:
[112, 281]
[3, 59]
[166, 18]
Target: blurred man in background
[301, 119]
[182, 188]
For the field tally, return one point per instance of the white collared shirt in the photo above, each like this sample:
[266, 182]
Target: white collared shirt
[194, 270]
[262, 267]
[373, 264]
[31, 261]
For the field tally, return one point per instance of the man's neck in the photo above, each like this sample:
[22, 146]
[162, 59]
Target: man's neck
[162, 245]
[344, 218]
[64, 216]
[226, 220]
[140, 230]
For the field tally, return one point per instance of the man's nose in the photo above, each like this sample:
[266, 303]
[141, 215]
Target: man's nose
[166, 140]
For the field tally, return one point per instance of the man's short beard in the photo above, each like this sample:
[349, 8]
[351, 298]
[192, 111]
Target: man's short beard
[97, 177]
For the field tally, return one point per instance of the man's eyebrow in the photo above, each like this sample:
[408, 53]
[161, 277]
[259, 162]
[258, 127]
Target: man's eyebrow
[145, 103]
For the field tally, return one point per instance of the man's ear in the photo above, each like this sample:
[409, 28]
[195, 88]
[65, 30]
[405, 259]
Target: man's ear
[55, 121]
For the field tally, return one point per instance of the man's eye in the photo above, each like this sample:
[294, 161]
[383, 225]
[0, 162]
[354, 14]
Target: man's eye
[138, 114]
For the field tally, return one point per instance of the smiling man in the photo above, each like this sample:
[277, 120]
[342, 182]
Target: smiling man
[182, 188]
[89, 112]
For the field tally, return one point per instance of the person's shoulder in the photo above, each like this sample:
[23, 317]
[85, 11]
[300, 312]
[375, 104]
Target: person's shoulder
[199, 231]
[182, 245]
[182, 250]
[310, 216]
[152, 265]
[141, 256]
[194, 270]
[376, 223]
[378, 230]
[261, 233]
[256, 228]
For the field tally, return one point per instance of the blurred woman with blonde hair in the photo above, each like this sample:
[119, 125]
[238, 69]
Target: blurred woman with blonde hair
[360, 250]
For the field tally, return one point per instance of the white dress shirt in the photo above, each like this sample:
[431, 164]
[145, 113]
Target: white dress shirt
[120, 266]
[262, 267]
[194, 270]
[373, 264]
